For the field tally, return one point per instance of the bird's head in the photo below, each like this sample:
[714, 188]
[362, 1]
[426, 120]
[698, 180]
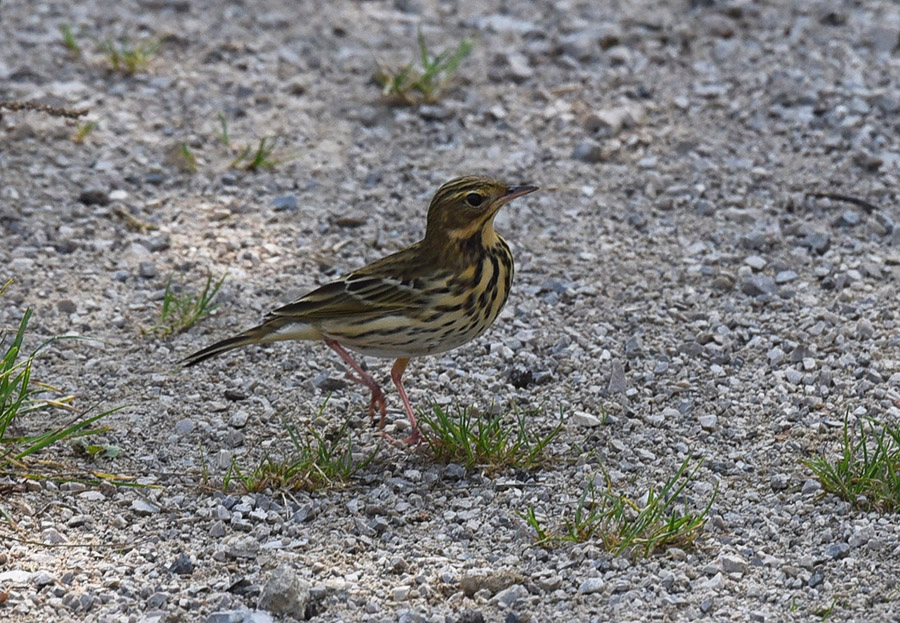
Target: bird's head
[465, 207]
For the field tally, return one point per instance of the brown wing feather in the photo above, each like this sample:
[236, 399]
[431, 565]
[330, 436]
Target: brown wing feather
[383, 286]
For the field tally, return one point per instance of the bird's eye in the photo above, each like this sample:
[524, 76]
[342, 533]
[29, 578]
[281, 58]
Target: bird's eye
[474, 199]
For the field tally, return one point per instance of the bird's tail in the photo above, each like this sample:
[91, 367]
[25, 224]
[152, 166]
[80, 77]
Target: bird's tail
[273, 330]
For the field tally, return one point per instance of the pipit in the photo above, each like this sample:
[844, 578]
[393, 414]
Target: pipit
[436, 295]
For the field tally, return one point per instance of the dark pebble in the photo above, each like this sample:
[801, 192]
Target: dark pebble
[521, 377]
[182, 565]
[94, 196]
[328, 383]
[234, 395]
[350, 221]
[66, 306]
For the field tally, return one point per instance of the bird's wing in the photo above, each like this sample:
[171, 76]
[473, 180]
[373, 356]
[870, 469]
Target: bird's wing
[390, 284]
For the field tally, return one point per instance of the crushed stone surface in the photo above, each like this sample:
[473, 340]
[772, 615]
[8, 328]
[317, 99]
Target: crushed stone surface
[710, 272]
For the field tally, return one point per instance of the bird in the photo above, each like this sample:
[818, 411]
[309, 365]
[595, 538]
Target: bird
[436, 295]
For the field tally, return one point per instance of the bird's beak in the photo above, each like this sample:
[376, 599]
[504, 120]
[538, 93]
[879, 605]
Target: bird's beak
[517, 191]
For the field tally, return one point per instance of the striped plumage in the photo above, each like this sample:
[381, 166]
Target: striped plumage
[436, 295]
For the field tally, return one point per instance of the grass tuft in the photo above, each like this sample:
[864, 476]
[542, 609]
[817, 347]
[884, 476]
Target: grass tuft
[621, 524]
[314, 463]
[410, 85]
[83, 131]
[250, 159]
[69, 40]
[867, 470]
[21, 396]
[127, 57]
[471, 440]
[180, 310]
[189, 160]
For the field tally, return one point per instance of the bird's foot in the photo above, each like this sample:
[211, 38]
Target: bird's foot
[378, 401]
[413, 440]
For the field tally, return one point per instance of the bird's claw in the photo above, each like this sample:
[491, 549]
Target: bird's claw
[413, 440]
[378, 400]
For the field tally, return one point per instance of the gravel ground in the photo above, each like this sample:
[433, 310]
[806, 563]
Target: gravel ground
[681, 291]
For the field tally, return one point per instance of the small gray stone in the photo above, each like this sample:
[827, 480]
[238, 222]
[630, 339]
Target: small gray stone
[849, 218]
[758, 285]
[284, 593]
[591, 585]
[182, 565]
[617, 381]
[501, 23]
[817, 577]
[285, 203]
[708, 422]
[147, 270]
[784, 276]
[518, 67]
[327, 383]
[589, 151]
[184, 426]
[43, 578]
[775, 355]
[15, 576]
[838, 551]
[158, 243]
[239, 418]
[144, 507]
[715, 582]
[454, 471]
[811, 486]
[612, 120]
[793, 376]
[492, 581]
[779, 482]
[755, 262]
[582, 418]
[400, 593]
[66, 306]
[733, 564]
[241, 546]
[52, 537]
[470, 616]
[864, 328]
[509, 596]
[817, 241]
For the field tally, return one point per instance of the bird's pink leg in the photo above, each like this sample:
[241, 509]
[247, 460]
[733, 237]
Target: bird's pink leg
[396, 372]
[363, 378]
